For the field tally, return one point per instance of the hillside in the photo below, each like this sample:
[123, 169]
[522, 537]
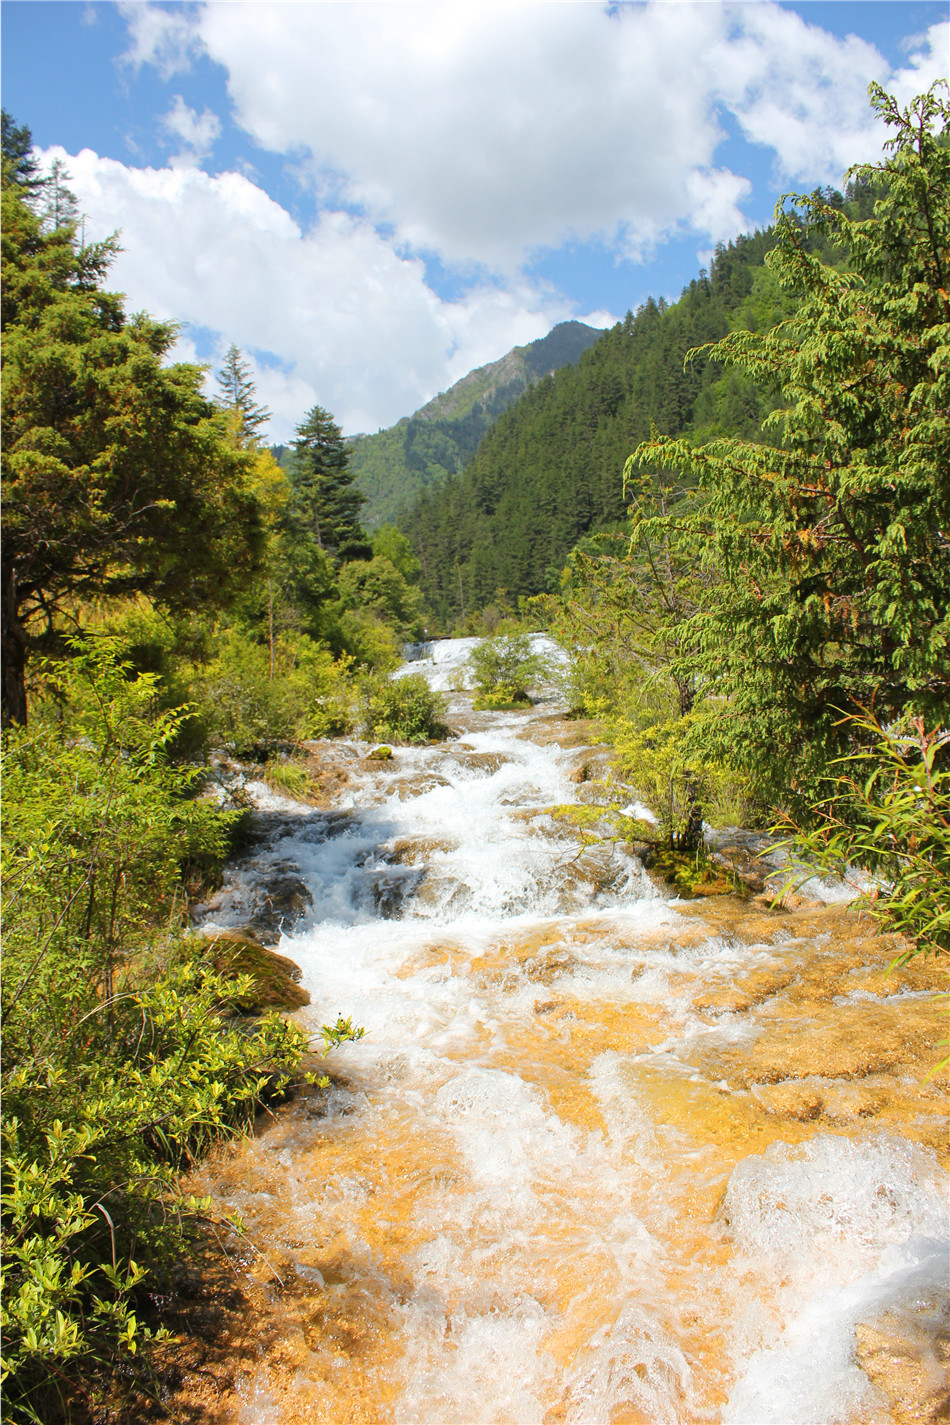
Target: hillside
[394, 466]
[550, 471]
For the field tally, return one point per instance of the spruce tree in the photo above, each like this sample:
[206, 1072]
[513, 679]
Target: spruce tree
[238, 395]
[325, 497]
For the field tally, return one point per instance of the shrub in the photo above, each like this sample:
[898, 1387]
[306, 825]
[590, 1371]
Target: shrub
[117, 1065]
[252, 696]
[403, 710]
[887, 811]
[504, 668]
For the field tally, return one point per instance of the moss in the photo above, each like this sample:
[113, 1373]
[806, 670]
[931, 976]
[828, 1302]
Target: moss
[276, 978]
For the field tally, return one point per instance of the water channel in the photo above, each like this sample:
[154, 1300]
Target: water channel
[603, 1157]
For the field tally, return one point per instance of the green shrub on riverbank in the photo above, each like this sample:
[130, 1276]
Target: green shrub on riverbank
[118, 1066]
[504, 668]
[403, 710]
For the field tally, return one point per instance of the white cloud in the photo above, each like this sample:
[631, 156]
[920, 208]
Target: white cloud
[164, 38]
[196, 133]
[480, 130]
[485, 131]
[352, 321]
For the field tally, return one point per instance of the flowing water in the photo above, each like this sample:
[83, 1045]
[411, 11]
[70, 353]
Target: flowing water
[603, 1157]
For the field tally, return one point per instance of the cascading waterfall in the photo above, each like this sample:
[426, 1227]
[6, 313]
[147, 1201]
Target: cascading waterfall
[547, 1186]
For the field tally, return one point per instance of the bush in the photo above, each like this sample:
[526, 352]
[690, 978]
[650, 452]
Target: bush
[504, 668]
[251, 697]
[117, 1066]
[369, 641]
[403, 710]
[887, 811]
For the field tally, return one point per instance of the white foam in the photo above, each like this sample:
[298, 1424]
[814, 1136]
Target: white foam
[845, 1228]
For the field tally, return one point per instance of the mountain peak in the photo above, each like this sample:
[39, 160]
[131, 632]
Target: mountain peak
[424, 449]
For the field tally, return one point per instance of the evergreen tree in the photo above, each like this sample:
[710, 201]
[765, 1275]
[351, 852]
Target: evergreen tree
[238, 396]
[61, 207]
[19, 164]
[833, 544]
[116, 478]
[325, 498]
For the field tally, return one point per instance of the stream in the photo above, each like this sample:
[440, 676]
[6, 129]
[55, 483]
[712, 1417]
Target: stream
[604, 1157]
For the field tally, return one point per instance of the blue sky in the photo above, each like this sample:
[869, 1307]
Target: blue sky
[371, 199]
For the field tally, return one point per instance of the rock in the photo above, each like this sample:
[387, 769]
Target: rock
[276, 978]
[793, 1099]
[906, 1354]
[380, 754]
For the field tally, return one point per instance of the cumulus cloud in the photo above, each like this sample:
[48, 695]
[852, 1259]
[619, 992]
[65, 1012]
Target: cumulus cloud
[486, 131]
[348, 321]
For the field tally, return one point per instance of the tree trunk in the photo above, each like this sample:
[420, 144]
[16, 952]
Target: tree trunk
[13, 639]
[691, 837]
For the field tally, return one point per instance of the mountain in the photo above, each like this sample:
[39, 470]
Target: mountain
[549, 472]
[418, 453]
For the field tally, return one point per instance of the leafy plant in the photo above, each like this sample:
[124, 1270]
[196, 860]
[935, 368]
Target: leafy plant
[119, 1063]
[403, 710]
[887, 812]
[251, 696]
[504, 668]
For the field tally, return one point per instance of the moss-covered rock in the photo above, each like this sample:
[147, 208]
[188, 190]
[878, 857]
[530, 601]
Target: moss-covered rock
[276, 978]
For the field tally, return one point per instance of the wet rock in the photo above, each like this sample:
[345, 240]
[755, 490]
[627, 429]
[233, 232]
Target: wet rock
[415, 850]
[551, 963]
[276, 979]
[391, 888]
[489, 762]
[406, 787]
[380, 754]
[907, 1356]
[644, 851]
[792, 1099]
[858, 1041]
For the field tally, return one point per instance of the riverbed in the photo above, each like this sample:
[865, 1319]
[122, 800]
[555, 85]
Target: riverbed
[604, 1156]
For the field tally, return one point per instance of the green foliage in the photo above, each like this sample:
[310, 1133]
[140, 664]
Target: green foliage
[369, 641]
[117, 1065]
[504, 668]
[393, 545]
[118, 475]
[886, 810]
[831, 545]
[376, 587]
[393, 467]
[250, 696]
[403, 710]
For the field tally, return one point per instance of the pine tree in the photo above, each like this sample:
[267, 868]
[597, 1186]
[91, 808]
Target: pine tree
[238, 396]
[325, 497]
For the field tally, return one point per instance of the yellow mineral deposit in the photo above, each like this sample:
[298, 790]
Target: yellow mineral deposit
[602, 1158]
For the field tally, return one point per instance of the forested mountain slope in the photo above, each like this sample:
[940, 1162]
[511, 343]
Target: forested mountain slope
[394, 466]
[550, 470]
